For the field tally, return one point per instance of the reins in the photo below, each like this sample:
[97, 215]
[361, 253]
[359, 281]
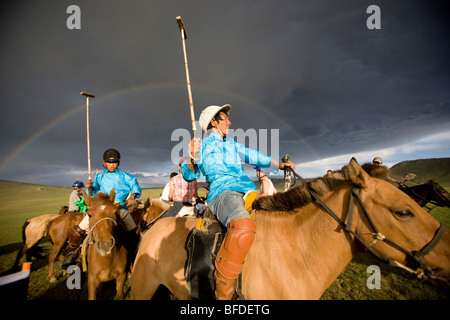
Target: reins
[422, 271]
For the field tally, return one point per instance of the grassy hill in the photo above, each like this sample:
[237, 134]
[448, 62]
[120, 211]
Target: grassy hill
[425, 169]
[437, 169]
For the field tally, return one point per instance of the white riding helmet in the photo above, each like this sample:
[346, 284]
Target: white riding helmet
[210, 112]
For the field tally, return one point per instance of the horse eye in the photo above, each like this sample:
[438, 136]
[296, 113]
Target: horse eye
[403, 214]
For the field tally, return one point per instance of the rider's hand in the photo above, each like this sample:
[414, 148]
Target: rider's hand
[283, 165]
[195, 146]
[89, 183]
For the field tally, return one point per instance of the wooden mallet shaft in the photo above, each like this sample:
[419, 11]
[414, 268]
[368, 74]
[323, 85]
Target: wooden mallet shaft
[188, 81]
[88, 95]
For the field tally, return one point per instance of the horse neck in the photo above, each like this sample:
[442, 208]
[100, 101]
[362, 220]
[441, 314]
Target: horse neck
[307, 249]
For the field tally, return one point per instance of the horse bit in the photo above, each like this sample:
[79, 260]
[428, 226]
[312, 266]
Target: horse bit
[422, 271]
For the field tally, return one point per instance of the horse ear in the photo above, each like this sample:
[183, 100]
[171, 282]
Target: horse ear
[357, 174]
[87, 199]
[147, 203]
[112, 195]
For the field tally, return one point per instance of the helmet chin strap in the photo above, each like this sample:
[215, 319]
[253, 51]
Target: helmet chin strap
[220, 131]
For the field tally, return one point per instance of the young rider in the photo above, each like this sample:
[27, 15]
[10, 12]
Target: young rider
[75, 196]
[221, 162]
[123, 184]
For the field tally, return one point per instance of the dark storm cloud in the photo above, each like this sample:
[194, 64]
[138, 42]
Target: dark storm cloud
[311, 69]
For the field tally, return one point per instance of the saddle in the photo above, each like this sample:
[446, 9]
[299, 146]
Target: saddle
[202, 245]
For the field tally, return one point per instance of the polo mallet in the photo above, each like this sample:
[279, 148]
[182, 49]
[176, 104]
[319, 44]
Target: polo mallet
[88, 95]
[191, 103]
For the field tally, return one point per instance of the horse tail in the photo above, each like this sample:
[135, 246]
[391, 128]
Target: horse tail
[24, 227]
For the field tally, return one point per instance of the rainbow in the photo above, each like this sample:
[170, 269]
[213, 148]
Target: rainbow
[31, 139]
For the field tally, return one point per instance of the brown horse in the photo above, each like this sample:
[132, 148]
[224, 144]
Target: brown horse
[137, 211]
[58, 232]
[155, 208]
[300, 248]
[106, 254]
[430, 192]
[33, 230]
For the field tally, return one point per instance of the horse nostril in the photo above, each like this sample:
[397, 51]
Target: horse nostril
[105, 247]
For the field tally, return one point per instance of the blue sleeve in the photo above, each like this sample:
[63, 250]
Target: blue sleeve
[188, 174]
[252, 156]
[133, 184]
[95, 185]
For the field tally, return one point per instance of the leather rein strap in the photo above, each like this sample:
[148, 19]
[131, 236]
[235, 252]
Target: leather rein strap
[422, 271]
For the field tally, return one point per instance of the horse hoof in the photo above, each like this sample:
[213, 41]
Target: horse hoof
[52, 280]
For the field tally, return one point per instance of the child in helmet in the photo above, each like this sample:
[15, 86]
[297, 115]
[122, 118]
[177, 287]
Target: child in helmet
[221, 162]
[123, 184]
[75, 196]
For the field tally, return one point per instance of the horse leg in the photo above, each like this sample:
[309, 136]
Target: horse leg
[93, 283]
[28, 244]
[120, 282]
[51, 260]
[19, 256]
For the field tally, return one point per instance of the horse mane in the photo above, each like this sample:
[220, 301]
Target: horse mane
[300, 196]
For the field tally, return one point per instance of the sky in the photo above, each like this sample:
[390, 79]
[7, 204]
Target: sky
[304, 78]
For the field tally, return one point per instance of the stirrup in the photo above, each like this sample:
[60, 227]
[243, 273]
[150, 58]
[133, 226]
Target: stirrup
[249, 197]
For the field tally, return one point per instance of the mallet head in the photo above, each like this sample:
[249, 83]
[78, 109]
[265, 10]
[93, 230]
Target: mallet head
[87, 94]
[181, 26]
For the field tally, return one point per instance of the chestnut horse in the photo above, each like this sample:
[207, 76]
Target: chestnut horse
[300, 247]
[33, 230]
[155, 208]
[106, 254]
[58, 231]
[430, 192]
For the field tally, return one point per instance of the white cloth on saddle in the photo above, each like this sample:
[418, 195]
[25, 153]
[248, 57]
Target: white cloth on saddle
[186, 211]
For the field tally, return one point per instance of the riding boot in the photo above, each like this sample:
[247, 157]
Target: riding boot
[230, 259]
[76, 237]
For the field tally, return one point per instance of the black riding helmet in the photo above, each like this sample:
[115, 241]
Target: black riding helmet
[111, 155]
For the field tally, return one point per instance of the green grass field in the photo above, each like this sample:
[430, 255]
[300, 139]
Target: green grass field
[21, 201]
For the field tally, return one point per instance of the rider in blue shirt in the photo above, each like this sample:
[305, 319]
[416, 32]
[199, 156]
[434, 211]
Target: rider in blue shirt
[220, 160]
[122, 182]
[127, 190]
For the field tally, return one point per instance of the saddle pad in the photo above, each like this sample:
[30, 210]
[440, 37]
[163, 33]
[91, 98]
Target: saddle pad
[199, 269]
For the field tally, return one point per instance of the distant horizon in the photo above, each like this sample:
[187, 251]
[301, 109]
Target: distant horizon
[159, 186]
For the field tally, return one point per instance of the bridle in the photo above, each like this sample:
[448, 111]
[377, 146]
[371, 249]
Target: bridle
[422, 271]
[92, 240]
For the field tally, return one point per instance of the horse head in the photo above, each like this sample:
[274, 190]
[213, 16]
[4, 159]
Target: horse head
[154, 209]
[103, 219]
[396, 227]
